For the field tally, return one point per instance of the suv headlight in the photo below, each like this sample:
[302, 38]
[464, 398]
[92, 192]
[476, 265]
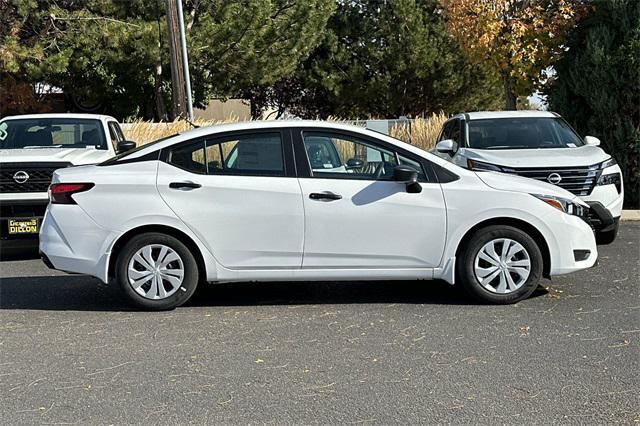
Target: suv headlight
[564, 205]
[610, 178]
[479, 166]
[607, 163]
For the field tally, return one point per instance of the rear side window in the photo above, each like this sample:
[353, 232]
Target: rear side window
[248, 154]
[190, 158]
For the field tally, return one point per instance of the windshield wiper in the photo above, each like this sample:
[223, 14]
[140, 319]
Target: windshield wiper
[41, 147]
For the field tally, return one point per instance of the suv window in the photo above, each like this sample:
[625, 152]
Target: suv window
[51, 133]
[252, 155]
[451, 131]
[522, 133]
[115, 134]
[347, 157]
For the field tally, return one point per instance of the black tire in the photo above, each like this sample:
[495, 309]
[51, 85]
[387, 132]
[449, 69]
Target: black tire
[189, 281]
[465, 265]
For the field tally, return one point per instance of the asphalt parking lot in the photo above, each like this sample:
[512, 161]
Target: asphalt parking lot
[71, 352]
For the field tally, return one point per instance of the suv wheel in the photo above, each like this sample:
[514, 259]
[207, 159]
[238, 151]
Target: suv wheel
[156, 271]
[500, 264]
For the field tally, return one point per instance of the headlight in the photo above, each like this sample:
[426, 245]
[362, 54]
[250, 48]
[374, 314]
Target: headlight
[479, 166]
[564, 205]
[611, 179]
[608, 163]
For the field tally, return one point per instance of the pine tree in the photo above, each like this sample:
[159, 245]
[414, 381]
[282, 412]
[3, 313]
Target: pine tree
[597, 85]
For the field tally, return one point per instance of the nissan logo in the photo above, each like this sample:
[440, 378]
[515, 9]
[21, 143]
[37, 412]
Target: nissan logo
[21, 176]
[554, 178]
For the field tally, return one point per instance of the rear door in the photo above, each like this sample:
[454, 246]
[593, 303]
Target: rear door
[238, 193]
[356, 216]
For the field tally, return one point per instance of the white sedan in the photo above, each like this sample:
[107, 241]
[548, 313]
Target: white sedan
[310, 201]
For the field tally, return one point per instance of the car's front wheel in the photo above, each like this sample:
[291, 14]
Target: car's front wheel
[500, 264]
[156, 271]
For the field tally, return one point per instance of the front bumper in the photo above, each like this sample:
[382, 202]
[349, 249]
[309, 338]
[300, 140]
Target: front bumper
[575, 246]
[20, 209]
[604, 225]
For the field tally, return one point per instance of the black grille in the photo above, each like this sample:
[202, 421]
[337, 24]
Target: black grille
[577, 180]
[39, 176]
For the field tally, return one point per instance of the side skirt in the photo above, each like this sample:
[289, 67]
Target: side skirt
[226, 275]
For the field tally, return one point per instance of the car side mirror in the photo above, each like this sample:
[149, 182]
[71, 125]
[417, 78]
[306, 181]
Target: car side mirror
[354, 163]
[592, 140]
[125, 146]
[409, 176]
[447, 146]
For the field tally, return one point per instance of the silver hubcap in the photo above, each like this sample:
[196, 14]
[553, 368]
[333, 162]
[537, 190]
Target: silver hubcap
[502, 266]
[155, 271]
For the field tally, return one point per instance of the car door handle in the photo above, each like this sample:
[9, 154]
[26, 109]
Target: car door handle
[184, 185]
[325, 195]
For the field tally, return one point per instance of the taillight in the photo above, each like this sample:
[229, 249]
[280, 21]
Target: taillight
[60, 193]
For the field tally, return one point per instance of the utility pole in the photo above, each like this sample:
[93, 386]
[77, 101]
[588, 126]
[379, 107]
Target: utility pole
[185, 60]
[177, 71]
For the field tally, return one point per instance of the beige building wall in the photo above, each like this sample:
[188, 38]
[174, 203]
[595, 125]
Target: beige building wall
[218, 110]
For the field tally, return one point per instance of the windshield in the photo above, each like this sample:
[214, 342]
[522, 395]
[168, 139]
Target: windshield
[34, 133]
[522, 133]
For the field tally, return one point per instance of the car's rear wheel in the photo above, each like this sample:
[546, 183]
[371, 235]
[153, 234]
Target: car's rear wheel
[500, 264]
[156, 271]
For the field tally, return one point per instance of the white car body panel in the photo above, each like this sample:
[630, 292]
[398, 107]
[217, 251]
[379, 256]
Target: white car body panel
[263, 228]
[349, 233]
[548, 157]
[228, 209]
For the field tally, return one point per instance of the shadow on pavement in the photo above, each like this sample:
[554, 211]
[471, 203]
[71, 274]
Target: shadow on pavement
[77, 292]
[9, 255]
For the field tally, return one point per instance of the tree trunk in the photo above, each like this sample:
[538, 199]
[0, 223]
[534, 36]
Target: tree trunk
[509, 97]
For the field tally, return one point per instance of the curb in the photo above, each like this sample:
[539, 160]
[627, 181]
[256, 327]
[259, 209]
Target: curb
[629, 215]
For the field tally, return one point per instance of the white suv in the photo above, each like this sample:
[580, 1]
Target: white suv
[543, 146]
[31, 148]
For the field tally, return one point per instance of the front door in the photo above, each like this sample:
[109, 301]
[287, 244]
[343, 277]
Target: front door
[234, 193]
[356, 216]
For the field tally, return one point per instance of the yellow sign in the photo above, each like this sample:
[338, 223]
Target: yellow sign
[29, 226]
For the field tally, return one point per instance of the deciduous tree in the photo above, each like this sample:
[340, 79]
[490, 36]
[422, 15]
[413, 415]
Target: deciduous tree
[519, 39]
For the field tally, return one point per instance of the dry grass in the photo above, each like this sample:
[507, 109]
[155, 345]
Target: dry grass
[143, 132]
[422, 132]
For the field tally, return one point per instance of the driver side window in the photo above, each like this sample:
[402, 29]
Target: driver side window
[345, 157]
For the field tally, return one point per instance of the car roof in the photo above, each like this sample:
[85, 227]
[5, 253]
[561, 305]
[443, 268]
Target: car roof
[59, 115]
[483, 115]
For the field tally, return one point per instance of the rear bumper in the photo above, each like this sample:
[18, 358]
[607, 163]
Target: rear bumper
[71, 241]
